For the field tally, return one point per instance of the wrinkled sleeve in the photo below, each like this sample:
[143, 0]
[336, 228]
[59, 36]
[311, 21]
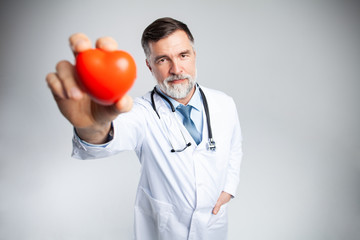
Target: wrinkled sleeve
[129, 132]
[233, 172]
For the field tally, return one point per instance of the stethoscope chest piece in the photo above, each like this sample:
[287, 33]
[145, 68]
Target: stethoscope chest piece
[211, 145]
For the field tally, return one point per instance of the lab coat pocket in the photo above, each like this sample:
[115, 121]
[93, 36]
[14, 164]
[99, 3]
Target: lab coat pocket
[220, 219]
[157, 210]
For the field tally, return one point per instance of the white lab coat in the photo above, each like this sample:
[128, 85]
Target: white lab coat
[177, 191]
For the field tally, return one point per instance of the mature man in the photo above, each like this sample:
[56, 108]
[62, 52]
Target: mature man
[185, 180]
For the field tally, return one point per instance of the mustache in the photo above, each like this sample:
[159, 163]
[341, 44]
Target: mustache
[177, 77]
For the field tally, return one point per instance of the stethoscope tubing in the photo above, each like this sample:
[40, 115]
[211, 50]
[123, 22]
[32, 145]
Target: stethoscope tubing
[206, 109]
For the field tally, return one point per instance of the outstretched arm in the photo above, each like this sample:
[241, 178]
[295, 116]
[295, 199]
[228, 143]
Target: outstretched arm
[91, 120]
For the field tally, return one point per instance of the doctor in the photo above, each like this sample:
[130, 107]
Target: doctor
[190, 158]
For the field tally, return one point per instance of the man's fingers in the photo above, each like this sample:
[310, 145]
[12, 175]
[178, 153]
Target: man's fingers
[55, 86]
[107, 44]
[66, 73]
[79, 42]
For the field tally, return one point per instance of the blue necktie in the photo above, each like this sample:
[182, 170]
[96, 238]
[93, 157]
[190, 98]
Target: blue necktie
[188, 123]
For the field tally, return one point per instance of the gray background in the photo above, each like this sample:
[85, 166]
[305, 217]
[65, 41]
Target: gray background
[292, 67]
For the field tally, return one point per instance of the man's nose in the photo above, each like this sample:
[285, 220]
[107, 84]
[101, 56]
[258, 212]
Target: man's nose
[175, 68]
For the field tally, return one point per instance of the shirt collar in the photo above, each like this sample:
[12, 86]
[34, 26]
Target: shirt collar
[195, 101]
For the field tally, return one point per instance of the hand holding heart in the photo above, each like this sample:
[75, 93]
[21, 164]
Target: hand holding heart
[91, 118]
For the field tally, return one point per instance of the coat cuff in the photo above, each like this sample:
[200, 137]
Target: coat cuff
[85, 150]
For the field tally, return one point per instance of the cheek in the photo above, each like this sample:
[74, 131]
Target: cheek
[159, 74]
[192, 69]
[191, 66]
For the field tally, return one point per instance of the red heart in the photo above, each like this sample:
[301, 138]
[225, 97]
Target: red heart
[105, 76]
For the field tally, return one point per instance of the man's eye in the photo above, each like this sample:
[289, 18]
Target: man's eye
[162, 60]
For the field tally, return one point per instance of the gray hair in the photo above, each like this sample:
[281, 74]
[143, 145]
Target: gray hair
[162, 28]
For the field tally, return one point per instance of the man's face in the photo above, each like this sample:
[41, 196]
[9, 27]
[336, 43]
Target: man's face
[172, 62]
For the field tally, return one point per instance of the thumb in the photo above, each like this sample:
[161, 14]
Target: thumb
[124, 104]
[216, 208]
[107, 113]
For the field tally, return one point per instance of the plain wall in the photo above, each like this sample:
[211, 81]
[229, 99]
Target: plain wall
[292, 68]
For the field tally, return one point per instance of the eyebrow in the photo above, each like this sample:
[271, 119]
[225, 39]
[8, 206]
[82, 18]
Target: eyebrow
[185, 52]
[166, 56]
[159, 57]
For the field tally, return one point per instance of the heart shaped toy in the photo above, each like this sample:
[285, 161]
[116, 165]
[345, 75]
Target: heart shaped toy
[105, 75]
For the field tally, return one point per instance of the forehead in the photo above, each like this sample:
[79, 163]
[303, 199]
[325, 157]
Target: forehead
[176, 42]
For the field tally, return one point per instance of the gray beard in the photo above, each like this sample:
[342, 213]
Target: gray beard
[178, 91]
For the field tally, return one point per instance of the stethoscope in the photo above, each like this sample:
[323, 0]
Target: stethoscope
[211, 142]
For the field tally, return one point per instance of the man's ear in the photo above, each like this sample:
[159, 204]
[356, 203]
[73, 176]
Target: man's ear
[148, 65]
